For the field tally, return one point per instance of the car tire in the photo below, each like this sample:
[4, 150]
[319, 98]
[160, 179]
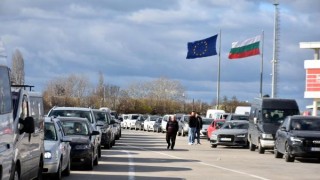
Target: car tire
[99, 152]
[58, 174]
[89, 165]
[252, 147]
[96, 161]
[67, 171]
[277, 154]
[108, 145]
[213, 145]
[40, 170]
[287, 156]
[182, 133]
[261, 150]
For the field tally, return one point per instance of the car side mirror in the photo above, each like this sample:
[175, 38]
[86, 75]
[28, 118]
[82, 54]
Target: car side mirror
[283, 128]
[95, 133]
[66, 139]
[27, 125]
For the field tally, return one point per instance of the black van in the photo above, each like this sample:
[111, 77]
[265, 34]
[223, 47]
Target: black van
[266, 115]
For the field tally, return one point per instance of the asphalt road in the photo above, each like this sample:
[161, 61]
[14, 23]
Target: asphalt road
[142, 155]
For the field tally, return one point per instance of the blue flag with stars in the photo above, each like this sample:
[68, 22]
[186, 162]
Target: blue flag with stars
[202, 48]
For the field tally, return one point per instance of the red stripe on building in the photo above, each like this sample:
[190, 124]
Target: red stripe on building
[313, 71]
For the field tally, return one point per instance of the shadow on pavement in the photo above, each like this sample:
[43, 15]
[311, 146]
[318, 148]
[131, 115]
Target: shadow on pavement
[144, 160]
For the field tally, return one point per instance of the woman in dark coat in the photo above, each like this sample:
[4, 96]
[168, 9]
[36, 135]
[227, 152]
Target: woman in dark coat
[172, 129]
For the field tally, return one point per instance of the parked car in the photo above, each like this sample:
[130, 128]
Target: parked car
[206, 122]
[298, 136]
[123, 118]
[157, 125]
[103, 119]
[232, 133]
[183, 125]
[28, 130]
[214, 125]
[131, 121]
[232, 117]
[57, 149]
[149, 122]
[140, 123]
[6, 126]
[116, 127]
[265, 118]
[84, 148]
[79, 112]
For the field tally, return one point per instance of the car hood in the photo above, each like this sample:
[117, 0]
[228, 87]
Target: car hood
[270, 128]
[231, 131]
[79, 139]
[48, 145]
[305, 134]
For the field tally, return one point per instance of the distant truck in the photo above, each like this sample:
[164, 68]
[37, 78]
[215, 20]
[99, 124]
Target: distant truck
[214, 113]
[245, 110]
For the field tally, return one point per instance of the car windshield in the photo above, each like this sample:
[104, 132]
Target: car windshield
[239, 117]
[50, 133]
[219, 124]
[159, 120]
[186, 118]
[100, 116]
[153, 118]
[305, 125]
[72, 113]
[277, 115]
[206, 121]
[235, 125]
[75, 128]
[134, 117]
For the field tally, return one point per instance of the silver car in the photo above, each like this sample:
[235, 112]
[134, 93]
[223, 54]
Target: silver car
[57, 149]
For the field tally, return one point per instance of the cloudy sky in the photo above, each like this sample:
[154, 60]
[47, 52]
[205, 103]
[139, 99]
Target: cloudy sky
[141, 40]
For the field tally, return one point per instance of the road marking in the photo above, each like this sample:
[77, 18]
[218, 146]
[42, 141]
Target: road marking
[131, 171]
[202, 163]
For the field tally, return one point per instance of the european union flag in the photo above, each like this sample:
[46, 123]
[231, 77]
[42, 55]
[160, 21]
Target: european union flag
[202, 48]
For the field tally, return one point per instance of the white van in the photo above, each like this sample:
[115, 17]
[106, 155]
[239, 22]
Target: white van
[6, 125]
[244, 110]
[214, 113]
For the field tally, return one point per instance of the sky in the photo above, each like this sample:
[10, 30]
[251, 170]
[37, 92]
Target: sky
[142, 40]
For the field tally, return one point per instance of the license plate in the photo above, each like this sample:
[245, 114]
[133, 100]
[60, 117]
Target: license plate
[315, 149]
[225, 139]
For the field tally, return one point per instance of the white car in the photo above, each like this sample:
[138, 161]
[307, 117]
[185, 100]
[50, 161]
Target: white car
[149, 122]
[57, 149]
[131, 121]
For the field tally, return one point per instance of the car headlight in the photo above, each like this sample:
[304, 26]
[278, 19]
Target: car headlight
[241, 135]
[267, 136]
[296, 140]
[84, 146]
[47, 155]
[214, 136]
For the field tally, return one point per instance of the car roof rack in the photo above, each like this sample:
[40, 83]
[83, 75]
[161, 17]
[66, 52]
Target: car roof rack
[23, 86]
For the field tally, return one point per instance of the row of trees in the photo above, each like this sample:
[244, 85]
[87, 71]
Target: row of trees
[159, 96]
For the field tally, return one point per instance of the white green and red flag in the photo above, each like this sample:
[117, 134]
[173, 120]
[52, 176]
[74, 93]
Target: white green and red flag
[249, 47]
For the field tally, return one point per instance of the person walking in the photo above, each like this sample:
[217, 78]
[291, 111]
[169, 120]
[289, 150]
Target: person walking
[199, 127]
[192, 128]
[172, 129]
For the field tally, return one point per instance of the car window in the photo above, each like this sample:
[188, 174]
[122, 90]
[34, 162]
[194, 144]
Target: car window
[5, 91]
[206, 121]
[50, 133]
[75, 128]
[100, 116]
[305, 125]
[72, 113]
[233, 125]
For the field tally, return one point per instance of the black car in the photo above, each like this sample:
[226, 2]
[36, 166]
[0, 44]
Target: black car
[84, 148]
[298, 136]
[103, 119]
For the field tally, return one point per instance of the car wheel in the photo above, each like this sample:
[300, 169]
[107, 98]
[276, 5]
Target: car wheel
[40, 170]
[287, 156]
[99, 151]
[182, 133]
[95, 162]
[58, 174]
[277, 154]
[260, 148]
[89, 165]
[252, 147]
[108, 145]
[213, 145]
[68, 168]
[113, 142]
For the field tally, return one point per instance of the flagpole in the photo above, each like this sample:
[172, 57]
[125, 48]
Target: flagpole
[218, 81]
[261, 68]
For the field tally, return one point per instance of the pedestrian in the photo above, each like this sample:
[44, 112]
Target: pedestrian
[192, 128]
[171, 129]
[199, 127]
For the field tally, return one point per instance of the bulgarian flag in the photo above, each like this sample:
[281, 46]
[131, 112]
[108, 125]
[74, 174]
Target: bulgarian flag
[249, 47]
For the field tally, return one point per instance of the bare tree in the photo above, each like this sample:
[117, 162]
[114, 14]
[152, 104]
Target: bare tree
[17, 71]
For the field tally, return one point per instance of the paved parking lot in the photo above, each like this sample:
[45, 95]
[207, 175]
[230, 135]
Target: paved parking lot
[143, 155]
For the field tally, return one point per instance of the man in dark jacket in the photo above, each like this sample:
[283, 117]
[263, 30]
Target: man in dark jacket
[199, 127]
[192, 128]
[171, 129]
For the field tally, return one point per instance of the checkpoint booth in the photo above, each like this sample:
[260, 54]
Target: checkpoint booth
[312, 68]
